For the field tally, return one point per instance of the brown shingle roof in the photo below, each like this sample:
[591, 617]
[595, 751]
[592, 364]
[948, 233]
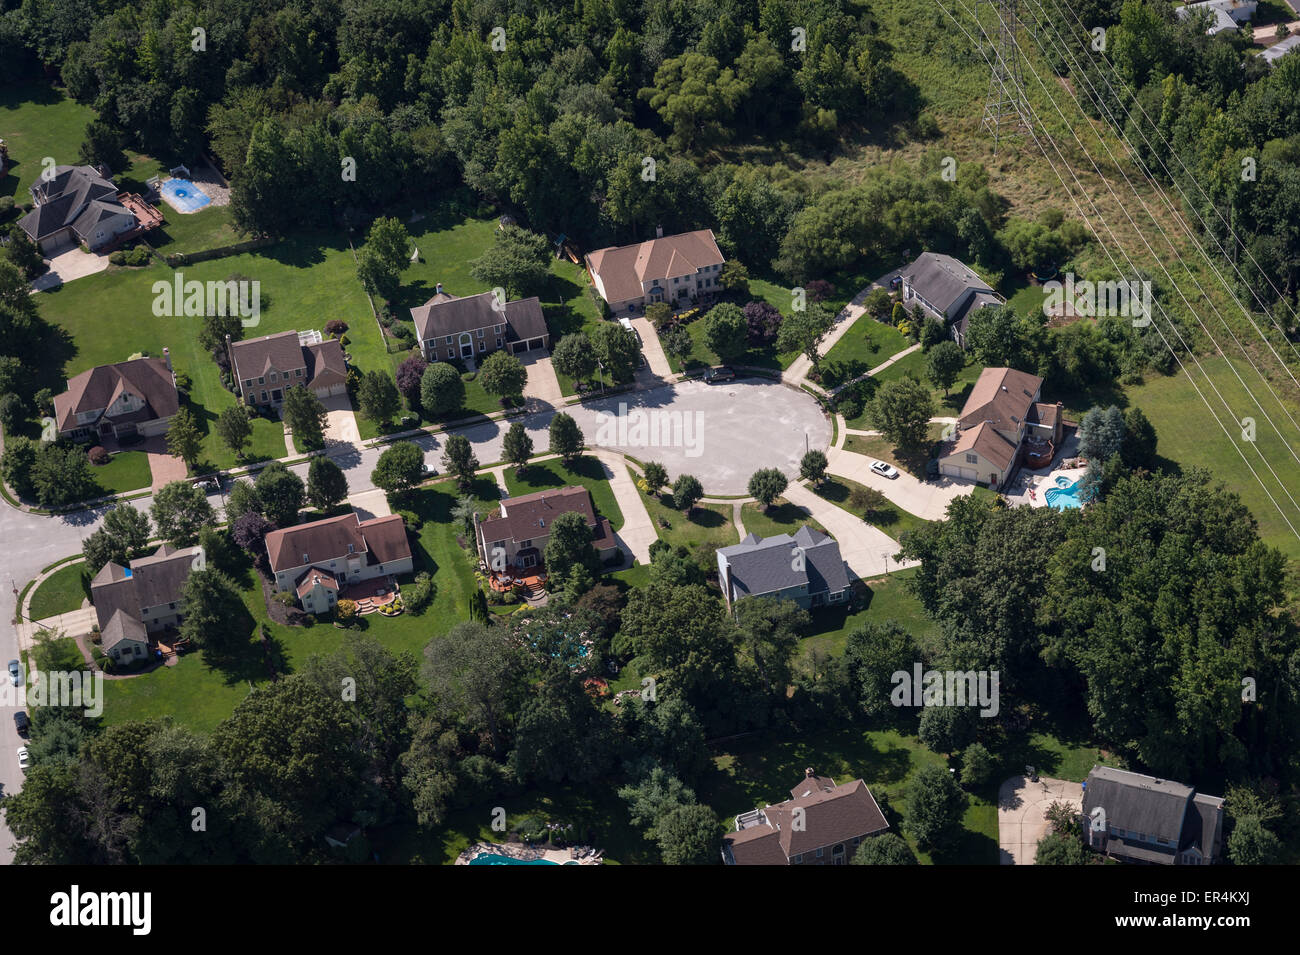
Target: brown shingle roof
[831, 814]
[97, 388]
[531, 515]
[160, 577]
[382, 538]
[1001, 396]
[255, 357]
[325, 364]
[623, 269]
[758, 845]
[445, 315]
[314, 576]
[987, 443]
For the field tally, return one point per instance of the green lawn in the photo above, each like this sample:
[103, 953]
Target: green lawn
[60, 592]
[701, 356]
[125, 471]
[887, 598]
[881, 448]
[865, 345]
[36, 122]
[946, 405]
[305, 281]
[781, 518]
[586, 472]
[890, 518]
[708, 525]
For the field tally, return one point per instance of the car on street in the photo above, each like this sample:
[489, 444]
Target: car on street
[24, 758]
[15, 672]
[723, 373]
[884, 470]
[428, 470]
[22, 722]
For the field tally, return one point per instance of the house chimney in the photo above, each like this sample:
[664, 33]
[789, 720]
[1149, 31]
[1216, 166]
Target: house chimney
[808, 773]
[438, 288]
[167, 357]
[659, 232]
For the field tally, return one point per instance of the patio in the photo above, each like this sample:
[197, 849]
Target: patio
[370, 595]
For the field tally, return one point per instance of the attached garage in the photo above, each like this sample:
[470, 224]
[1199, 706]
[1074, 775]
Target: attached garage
[519, 347]
[979, 454]
[328, 391]
[953, 470]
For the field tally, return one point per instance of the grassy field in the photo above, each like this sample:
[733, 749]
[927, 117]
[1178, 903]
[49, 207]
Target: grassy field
[708, 525]
[881, 448]
[781, 518]
[864, 346]
[886, 598]
[586, 472]
[890, 518]
[60, 592]
[36, 122]
[701, 356]
[125, 471]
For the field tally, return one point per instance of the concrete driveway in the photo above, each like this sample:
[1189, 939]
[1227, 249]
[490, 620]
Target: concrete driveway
[370, 504]
[928, 499]
[164, 468]
[655, 358]
[1022, 819]
[68, 265]
[340, 421]
[542, 390]
[638, 530]
[868, 551]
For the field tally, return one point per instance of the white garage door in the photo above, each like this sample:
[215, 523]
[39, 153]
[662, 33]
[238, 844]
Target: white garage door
[954, 470]
[331, 390]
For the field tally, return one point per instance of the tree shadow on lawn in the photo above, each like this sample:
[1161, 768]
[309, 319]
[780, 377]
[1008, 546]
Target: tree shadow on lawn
[968, 848]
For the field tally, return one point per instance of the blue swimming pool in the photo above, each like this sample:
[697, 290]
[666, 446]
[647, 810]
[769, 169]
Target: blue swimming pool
[1068, 496]
[492, 858]
[183, 196]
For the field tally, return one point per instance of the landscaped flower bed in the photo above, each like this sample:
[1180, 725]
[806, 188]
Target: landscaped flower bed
[392, 609]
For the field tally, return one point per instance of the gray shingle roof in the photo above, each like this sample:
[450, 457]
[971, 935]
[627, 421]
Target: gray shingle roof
[942, 280]
[766, 565]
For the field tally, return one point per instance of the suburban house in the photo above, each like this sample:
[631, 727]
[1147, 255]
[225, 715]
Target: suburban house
[1223, 14]
[132, 602]
[947, 290]
[75, 205]
[1150, 821]
[317, 561]
[675, 269]
[820, 824]
[515, 538]
[450, 328]
[1003, 424]
[806, 568]
[119, 401]
[266, 367]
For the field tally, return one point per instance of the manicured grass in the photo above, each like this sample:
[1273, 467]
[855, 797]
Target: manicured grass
[781, 518]
[194, 694]
[38, 121]
[60, 592]
[305, 281]
[708, 524]
[125, 471]
[760, 770]
[905, 459]
[701, 356]
[945, 405]
[890, 518]
[886, 598]
[210, 228]
[586, 472]
[867, 344]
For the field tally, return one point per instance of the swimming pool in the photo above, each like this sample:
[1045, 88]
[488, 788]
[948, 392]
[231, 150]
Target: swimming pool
[183, 196]
[492, 858]
[1064, 496]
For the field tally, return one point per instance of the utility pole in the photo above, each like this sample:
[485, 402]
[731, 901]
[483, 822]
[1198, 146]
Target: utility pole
[1006, 111]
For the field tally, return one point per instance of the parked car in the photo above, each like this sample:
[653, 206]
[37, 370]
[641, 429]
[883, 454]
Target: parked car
[208, 485]
[428, 470]
[884, 470]
[24, 758]
[723, 373]
[15, 672]
[22, 722]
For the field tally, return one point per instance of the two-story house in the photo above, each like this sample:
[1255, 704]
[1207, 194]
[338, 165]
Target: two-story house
[119, 401]
[317, 561]
[820, 824]
[75, 204]
[515, 537]
[947, 290]
[677, 269]
[464, 329]
[1150, 821]
[1000, 418]
[265, 368]
[806, 568]
[142, 598]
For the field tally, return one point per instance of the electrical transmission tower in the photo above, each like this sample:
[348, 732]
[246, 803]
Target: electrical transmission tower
[1006, 112]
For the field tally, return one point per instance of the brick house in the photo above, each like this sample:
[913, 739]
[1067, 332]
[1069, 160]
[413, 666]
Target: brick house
[820, 824]
[677, 269]
[515, 538]
[463, 329]
[76, 204]
[266, 367]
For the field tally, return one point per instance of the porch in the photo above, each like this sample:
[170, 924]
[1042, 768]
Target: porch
[370, 595]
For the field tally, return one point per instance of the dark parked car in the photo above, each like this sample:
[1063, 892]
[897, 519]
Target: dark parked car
[724, 373]
[22, 722]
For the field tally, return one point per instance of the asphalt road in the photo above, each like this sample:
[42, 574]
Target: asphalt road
[720, 433]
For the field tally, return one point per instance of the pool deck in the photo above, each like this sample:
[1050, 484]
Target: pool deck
[517, 850]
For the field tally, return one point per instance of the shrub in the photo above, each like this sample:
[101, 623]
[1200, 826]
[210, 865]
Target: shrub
[346, 609]
[309, 620]
[344, 341]
[849, 406]
[412, 520]
[420, 593]
[285, 597]
[98, 455]
[404, 334]
[117, 258]
[335, 327]
[183, 381]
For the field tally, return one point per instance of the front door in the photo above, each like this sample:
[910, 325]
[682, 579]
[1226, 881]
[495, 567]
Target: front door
[466, 346]
[276, 395]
